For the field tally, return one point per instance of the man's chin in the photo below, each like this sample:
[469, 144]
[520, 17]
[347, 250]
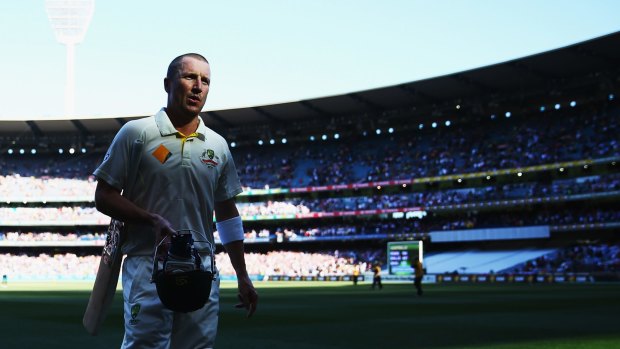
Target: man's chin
[194, 110]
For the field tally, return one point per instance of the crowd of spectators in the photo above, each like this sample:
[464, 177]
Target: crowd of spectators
[371, 228]
[31, 189]
[292, 264]
[70, 266]
[502, 143]
[88, 215]
[49, 267]
[270, 207]
[420, 228]
[17, 188]
[498, 143]
[591, 258]
[581, 185]
[72, 166]
[66, 215]
[48, 236]
[492, 145]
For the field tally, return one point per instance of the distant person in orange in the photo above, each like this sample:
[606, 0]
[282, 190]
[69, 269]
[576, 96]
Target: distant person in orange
[418, 270]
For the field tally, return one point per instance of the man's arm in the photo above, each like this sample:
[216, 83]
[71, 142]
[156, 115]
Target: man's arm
[109, 201]
[248, 297]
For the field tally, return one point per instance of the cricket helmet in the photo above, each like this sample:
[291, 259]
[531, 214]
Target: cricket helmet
[183, 284]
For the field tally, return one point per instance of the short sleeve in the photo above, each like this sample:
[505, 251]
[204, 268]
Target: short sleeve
[229, 185]
[116, 162]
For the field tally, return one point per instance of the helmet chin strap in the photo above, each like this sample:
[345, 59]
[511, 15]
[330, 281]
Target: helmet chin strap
[177, 235]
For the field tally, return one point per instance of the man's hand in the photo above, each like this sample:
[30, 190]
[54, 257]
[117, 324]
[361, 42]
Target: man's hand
[248, 297]
[163, 231]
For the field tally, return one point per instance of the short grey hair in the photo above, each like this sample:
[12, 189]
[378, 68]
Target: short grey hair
[173, 68]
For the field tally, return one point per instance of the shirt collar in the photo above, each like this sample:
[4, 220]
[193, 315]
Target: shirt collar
[167, 129]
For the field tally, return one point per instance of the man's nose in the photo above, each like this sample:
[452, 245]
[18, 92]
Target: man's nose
[198, 86]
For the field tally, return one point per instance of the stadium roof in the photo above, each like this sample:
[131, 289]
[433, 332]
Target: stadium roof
[598, 55]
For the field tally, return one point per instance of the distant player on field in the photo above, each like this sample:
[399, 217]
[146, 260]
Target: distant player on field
[356, 273]
[376, 278]
[418, 270]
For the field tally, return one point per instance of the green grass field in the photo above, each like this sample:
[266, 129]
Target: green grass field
[339, 315]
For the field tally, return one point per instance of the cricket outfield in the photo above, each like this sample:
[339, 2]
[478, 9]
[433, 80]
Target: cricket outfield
[340, 315]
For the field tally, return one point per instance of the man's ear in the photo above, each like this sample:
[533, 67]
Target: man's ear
[167, 85]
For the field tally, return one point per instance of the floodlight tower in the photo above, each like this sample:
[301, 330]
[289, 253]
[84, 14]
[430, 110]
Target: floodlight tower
[70, 20]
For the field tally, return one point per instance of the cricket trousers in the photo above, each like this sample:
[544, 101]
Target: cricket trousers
[150, 325]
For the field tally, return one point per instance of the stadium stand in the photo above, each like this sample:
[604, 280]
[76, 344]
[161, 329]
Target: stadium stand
[480, 262]
[531, 144]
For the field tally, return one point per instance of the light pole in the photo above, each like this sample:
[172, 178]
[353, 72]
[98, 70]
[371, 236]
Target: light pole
[70, 20]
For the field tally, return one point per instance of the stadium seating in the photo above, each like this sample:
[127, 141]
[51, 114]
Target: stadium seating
[391, 174]
[480, 262]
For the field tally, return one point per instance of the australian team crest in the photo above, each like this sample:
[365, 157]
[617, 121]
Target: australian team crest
[209, 158]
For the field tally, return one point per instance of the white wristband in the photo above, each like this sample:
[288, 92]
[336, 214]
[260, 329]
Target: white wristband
[230, 230]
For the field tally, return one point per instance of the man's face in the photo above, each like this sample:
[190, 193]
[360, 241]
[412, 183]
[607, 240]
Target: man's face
[188, 89]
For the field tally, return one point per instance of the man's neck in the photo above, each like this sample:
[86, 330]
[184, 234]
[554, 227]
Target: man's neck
[184, 124]
[189, 127]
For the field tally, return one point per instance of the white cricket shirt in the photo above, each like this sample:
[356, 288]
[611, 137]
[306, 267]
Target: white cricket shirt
[179, 178]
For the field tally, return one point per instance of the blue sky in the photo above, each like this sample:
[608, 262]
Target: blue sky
[268, 51]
